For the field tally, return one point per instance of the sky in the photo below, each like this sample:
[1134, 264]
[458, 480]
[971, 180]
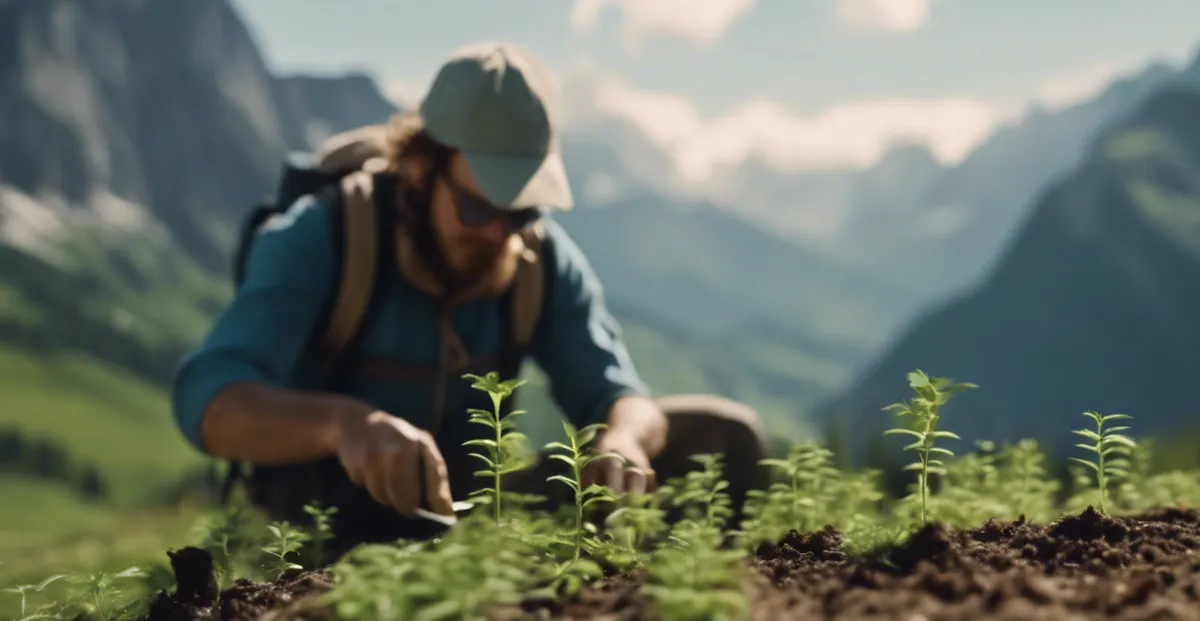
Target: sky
[803, 84]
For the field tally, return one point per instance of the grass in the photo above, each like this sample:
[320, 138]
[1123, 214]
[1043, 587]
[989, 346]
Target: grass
[693, 566]
[105, 408]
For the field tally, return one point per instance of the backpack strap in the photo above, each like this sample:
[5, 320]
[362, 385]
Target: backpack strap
[521, 308]
[362, 223]
[361, 237]
[528, 288]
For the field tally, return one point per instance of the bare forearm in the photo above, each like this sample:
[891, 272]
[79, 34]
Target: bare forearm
[642, 419]
[260, 424]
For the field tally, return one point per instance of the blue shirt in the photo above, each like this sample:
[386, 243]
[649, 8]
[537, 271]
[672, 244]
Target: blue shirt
[262, 335]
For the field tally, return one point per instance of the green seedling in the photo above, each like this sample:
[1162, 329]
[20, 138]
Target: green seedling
[287, 540]
[96, 595]
[24, 589]
[701, 493]
[226, 534]
[578, 459]
[322, 529]
[476, 564]
[691, 578]
[932, 394]
[631, 525]
[1111, 449]
[504, 429]
[807, 468]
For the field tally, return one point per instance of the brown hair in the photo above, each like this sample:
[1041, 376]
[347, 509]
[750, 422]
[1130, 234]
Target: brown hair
[407, 140]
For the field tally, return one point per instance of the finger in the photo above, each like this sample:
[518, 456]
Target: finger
[651, 479]
[437, 481]
[635, 480]
[353, 466]
[405, 479]
[375, 480]
[614, 472]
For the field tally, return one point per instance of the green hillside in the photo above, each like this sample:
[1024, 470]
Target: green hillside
[101, 413]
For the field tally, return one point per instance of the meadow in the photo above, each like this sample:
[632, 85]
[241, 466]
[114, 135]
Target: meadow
[981, 534]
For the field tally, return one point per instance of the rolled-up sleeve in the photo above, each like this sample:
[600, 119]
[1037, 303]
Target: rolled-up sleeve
[579, 344]
[264, 331]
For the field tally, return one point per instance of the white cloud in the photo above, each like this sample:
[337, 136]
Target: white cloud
[699, 21]
[890, 16]
[1072, 87]
[853, 134]
[402, 93]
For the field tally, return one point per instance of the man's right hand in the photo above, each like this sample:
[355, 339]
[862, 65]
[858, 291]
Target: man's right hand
[387, 455]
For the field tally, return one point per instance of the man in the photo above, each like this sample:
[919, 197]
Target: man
[476, 168]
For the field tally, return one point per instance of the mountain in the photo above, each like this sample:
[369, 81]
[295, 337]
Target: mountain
[140, 132]
[964, 219]
[136, 136]
[710, 270]
[313, 108]
[1093, 306]
[928, 229]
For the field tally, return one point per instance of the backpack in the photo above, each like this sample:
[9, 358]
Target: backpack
[346, 171]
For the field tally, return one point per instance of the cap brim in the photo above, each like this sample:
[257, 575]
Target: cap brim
[522, 182]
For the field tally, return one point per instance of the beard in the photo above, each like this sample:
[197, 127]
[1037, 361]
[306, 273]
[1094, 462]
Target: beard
[483, 270]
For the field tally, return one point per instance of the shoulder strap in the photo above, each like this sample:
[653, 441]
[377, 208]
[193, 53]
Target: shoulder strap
[524, 300]
[529, 288]
[360, 251]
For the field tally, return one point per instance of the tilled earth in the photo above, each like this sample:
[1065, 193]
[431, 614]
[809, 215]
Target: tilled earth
[1087, 566]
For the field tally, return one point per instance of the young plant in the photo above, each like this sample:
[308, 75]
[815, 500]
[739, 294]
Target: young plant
[807, 470]
[1111, 449]
[477, 564]
[638, 520]
[701, 493]
[932, 394]
[322, 529]
[1028, 487]
[24, 589]
[287, 540]
[227, 535]
[577, 460]
[504, 429]
[691, 578]
[96, 595]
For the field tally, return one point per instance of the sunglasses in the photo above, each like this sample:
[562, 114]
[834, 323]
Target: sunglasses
[475, 211]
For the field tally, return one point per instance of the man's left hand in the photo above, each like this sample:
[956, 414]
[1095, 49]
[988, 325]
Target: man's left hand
[634, 475]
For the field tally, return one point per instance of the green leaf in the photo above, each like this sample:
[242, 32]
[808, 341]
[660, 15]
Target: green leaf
[560, 446]
[1120, 439]
[571, 482]
[484, 458]
[563, 458]
[1089, 464]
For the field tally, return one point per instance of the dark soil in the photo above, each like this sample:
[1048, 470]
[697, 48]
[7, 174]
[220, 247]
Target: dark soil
[1087, 566]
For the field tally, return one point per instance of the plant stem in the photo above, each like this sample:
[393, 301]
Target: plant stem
[1100, 461]
[496, 469]
[578, 501]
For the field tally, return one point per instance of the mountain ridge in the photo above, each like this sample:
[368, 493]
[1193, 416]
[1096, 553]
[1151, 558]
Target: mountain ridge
[1087, 309]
